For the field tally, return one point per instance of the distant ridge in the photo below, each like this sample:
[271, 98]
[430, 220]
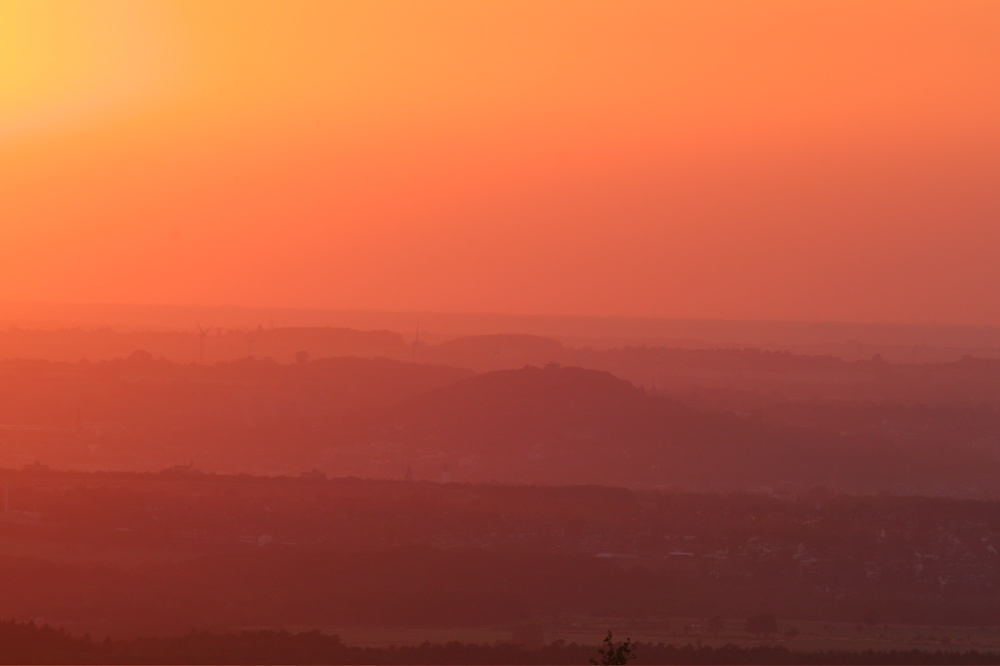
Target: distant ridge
[574, 330]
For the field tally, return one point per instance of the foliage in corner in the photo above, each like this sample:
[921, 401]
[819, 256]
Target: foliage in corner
[615, 654]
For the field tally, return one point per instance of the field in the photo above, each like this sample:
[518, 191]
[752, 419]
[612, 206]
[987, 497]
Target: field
[811, 636]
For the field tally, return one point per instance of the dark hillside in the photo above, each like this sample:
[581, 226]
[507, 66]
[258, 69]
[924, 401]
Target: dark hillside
[572, 425]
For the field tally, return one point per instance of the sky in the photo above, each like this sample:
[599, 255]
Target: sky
[824, 160]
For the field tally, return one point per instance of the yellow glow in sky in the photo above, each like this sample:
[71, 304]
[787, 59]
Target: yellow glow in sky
[63, 63]
[781, 160]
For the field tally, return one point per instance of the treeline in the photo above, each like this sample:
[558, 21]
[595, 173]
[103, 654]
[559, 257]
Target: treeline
[186, 346]
[27, 643]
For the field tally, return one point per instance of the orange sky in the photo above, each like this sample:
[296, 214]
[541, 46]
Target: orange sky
[766, 160]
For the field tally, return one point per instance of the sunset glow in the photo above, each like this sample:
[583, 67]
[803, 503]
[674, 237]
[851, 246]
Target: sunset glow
[500, 331]
[736, 160]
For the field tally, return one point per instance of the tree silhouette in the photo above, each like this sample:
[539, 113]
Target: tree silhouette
[615, 654]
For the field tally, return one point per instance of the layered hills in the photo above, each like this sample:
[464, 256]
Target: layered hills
[636, 416]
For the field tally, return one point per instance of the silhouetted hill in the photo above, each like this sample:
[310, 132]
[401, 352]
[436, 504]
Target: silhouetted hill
[502, 344]
[533, 401]
[381, 418]
[327, 341]
[573, 425]
[896, 342]
[495, 352]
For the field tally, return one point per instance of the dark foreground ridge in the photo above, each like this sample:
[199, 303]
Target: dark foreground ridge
[27, 643]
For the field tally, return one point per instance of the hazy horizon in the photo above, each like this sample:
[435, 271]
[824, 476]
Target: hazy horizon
[573, 329]
[473, 331]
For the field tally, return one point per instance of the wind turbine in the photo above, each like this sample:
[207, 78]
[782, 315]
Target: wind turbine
[202, 334]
